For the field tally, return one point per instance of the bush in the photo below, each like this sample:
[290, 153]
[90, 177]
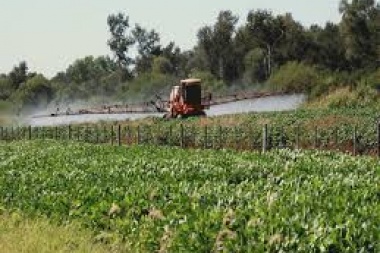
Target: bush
[5, 106]
[295, 77]
[146, 86]
[209, 82]
[36, 92]
[373, 79]
[362, 96]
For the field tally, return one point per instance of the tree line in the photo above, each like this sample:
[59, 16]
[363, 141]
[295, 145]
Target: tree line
[274, 51]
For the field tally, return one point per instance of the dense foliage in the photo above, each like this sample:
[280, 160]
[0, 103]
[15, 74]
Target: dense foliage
[175, 200]
[293, 57]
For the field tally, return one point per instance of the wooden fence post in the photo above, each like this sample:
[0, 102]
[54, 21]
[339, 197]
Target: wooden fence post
[104, 140]
[265, 138]
[69, 132]
[96, 134]
[111, 135]
[235, 138]
[119, 135]
[78, 133]
[354, 141]
[29, 132]
[150, 135]
[129, 135]
[138, 135]
[316, 137]
[125, 135]
[87, 134]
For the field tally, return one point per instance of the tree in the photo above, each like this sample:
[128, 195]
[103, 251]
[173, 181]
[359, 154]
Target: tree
[37, 91]
[244, 42]
[84, 78]
[325, 47]
[147, 47]
[217, 43]
[359, 29]
[206, 46]
[224, 30]
[162, 65]
[90, 68]
[19, 74]
[293, 43]
[267, 31]
[120, 41]
[375, 27]
[177, 59]
[254, 63]
[6, 88]
[195, 60]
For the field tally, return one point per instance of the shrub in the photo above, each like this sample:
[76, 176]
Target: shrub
[362, 96]
[147, 85]
[209, 82]
[373, 79]
[295, 77]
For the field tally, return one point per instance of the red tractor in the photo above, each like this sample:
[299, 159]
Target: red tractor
[186, 100]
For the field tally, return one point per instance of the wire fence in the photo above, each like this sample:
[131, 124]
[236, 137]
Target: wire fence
[347, 138]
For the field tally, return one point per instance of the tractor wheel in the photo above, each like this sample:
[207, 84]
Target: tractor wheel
[202, 114]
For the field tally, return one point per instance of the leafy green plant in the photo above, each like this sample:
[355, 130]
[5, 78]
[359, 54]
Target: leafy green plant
[295, 77]
[168, 199]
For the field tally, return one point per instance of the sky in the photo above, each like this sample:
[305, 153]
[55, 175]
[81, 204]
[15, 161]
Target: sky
[51, 34]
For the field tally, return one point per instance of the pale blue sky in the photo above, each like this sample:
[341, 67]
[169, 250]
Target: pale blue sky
[51, 34]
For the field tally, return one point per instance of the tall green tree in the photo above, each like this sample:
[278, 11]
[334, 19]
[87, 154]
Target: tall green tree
[325, 47]
[292, 43]
[254, 63]
[37, 91]
[19, 74]
[267, 31]
[224, 31]
[359, 28]
[147, 47]
[90, 68]
[162, 65]
[6, 88]
[121, 41]
[217, 43]
[177, 59]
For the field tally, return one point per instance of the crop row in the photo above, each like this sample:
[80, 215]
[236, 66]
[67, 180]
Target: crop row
[351, 138]
[175, 200]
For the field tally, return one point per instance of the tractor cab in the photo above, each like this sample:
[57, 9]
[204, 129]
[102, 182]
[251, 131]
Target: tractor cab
[191, 91]
[186, 99]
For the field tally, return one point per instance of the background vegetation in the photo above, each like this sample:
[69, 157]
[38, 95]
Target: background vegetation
[269, 49]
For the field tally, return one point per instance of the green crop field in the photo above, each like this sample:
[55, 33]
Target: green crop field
[356, 131]
[172, 200]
